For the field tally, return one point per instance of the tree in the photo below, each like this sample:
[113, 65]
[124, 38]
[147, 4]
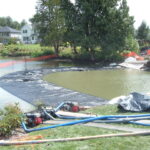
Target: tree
[72, 34]
[89, 19]
[49, 20]
[23, 22]
[86, 23]
[8, 21]
[97, 23]
[116, 26]
[143, 31]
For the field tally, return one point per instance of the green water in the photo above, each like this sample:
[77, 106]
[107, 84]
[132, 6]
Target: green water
[105, 84]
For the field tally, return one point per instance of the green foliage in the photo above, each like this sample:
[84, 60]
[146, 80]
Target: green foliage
[132, 44]
[66, 53]
[92, 24]
[42, 52]
[25, 50]
[50, 20]
[8, 21]
[1, 46]
[83, 55]
[109, 56]
[9, 119]
[12, 41]
[143, 31]
[119, 28]
[87, 24]
[114, 143]
[7, 41]
[72, 34]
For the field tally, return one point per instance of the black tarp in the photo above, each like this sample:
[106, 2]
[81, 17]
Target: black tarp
[136, 102]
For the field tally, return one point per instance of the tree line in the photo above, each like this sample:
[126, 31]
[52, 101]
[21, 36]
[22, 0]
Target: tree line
[97, 26]
[143, 32]
[94, 25]
[8, 21]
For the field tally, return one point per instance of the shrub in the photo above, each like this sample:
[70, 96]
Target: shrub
[83, 55]
[66, 53]
[12, 41]
[109, 56]
[9, 119]
[132, 44]
[44, 51]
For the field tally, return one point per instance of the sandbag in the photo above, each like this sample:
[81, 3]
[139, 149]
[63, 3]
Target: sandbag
[136, 102]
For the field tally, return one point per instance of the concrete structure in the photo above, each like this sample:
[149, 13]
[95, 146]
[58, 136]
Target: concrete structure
[7, 33]
[29, 35]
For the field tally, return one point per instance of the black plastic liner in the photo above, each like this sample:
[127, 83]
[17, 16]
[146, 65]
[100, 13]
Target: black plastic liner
[30, 87]
[136, 102]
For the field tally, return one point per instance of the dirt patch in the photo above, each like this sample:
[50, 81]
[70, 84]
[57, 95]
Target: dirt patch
[17, 134]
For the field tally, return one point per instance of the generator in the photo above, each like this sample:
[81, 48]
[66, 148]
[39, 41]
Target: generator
[34, 119]
[70, 106]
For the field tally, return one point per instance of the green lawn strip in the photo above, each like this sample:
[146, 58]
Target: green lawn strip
[114, 143]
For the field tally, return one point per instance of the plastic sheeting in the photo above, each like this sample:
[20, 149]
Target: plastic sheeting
[136, 102]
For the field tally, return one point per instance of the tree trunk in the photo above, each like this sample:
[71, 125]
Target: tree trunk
[92, 54]
[56, 48]
[74, 49]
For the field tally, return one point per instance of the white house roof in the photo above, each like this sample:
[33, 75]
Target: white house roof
[8, 30]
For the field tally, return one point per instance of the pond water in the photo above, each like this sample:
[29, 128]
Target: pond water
[105, 83]
[23, 66]
[18, 66]
[9, 65]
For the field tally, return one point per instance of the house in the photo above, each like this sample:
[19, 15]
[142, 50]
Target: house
[7, 33]
[29, 34]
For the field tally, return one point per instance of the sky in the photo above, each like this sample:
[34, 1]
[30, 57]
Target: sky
[140, 9]
[17, 9]
[25, 9]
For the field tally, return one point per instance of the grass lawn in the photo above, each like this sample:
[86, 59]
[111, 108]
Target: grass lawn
[114, 143]
[33, 50]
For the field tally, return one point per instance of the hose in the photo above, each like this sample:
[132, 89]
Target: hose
[81, 121]
[68, 117]
[139, 123]
[50, 116]
[59, 106]
[132, 120]
[63, 124]
[6, 143]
